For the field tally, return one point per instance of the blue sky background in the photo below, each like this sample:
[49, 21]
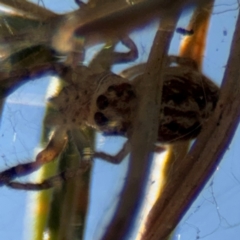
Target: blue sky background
[214, 215]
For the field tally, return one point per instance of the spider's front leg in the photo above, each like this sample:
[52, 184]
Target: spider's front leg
[55, 146]
[107, 56]
[129, 56]
[115, 159]
[183, 61]
[122, 153]
[85, 149]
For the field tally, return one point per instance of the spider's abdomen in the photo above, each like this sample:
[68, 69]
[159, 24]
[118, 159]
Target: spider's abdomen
[187, 101]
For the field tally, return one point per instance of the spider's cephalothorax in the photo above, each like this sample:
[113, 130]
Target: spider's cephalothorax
[113, 106]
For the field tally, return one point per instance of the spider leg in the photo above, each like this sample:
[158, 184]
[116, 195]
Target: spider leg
[107, 56]
[54, 148]
[124, 151]
[183, 61]
[51, 182]
[129, 56]
[84, 148]
[133, 72]
[115, 159]
[80, 3]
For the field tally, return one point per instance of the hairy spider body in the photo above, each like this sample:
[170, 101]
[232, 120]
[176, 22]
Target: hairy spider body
[108, 103]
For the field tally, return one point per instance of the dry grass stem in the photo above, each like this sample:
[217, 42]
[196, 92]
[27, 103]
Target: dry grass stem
[28, 9]
[96, 24]
[192, 47]
[206, 153]
[144, 135]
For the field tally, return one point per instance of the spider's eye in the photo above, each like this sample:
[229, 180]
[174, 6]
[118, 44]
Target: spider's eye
[102, 102]
[100, 119]
[130, 95]
[126, 86]
[111, 88]
[120, 89]
[201, 101]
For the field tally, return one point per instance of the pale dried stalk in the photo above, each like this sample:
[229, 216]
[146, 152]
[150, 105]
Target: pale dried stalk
[9, 81]
[193, 48]
[207, 152]
[27, 9]
[97, 24]
[144, 135]
[117, 18]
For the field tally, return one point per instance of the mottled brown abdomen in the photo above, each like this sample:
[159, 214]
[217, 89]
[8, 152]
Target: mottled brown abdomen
[187, 102]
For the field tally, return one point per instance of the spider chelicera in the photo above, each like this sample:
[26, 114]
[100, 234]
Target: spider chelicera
[108, 103]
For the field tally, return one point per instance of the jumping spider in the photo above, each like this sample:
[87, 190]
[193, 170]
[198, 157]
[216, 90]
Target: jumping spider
[108, 102]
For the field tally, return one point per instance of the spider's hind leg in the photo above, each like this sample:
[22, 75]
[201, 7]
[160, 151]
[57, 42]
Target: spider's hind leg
[55, 146]
[54, 181]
